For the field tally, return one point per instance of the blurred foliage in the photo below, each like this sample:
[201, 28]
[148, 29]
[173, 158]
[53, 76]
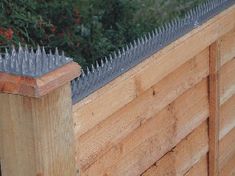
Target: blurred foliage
[85, 29]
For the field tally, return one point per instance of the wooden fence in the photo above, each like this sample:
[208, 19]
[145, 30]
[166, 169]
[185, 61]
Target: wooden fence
[163, 116]
[173, 114]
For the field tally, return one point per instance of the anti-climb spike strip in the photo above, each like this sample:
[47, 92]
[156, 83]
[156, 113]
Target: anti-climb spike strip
[31, 63]
[140, 49]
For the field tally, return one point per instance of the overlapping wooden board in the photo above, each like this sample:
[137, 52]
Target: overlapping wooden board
[227, 49]
[92, 110]
[229, 168]
[107, 134]
[227, 117]
[184, 156]
[227, 87]
[227, 149]
[148, 143]
[200, 168]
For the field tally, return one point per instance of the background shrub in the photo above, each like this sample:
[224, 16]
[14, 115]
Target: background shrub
[85, 29]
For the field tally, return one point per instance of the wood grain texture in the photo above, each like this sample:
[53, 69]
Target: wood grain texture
[125, 88]
[227, 117]
[154, 138]
[214, 106]
[227, 149]
[115, 128]
[200, 168]
[229, 168]
[184, 156]
[227, 87]
[38, 87]
[37, 134]
[227, 47]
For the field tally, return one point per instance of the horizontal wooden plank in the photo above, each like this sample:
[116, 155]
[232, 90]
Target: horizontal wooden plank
[184, 156]
[199, 169]
[229, 168]
[227, 149]
[227, 87]
[227, 117]
[148, 143]
[107, 134]
[227, 49]
[125, 88]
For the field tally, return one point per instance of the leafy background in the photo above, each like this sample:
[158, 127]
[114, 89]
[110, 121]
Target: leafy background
[86, 30]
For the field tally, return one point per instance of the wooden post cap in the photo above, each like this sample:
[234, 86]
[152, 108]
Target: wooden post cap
[35, 74]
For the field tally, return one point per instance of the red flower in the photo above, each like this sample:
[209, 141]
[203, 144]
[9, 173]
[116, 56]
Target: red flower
[7, 33]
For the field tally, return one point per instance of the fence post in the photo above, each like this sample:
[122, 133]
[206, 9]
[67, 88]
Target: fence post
[214, 102]
[36, 122]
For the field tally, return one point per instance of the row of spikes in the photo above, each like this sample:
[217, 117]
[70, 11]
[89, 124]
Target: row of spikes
[132, 54]
[172, 26]
[27, 62]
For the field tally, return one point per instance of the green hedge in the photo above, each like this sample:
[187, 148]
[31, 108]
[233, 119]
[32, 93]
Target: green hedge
[85, 29]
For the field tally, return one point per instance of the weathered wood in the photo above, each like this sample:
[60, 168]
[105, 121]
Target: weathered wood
[184, 156]
[115, 128]
[154, 138]
[199, 169]
[214, 106]
[229, 168]
[227, 47]
[227, 87]
[125, 88]
[38, 87]
[37, 134]
[227, 149]
[227, 117]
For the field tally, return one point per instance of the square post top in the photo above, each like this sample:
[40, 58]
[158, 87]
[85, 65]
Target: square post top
[35, 73]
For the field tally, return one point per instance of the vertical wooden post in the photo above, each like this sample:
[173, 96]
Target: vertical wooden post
[214, 102]
[36, 124]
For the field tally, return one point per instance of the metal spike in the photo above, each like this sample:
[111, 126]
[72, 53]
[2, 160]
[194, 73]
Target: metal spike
[115, 55]
[1, 61]
[32, 62]
[45, 60]
[13, 51]
[25, 64]
[63, 58]
[88, 71]
[51, 60]
[123, 50]
[127, 48]
[111, 58]
[83, 73]
[57, 57]
[106, 60]
[20, 48]
[92, 68]
[102, 63]
[135, 44]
